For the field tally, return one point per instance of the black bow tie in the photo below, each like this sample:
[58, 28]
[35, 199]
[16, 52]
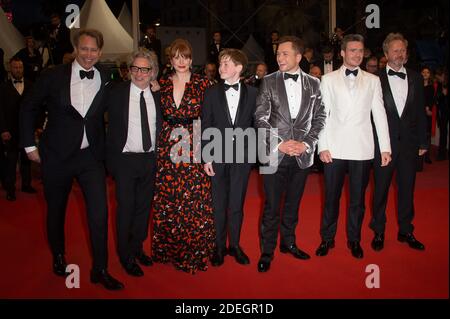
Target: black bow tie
[291, 76]
[234, 86]
[327, 62]
[87, 74]
[17, 81]
[348, 72]
[401, 75]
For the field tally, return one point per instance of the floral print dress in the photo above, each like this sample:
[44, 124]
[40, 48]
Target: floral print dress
[183, 228]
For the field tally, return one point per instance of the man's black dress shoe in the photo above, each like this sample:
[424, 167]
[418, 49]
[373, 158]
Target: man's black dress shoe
[143, 259]
[59, 265]
[324, 247]
[378, 242]
[294, 251]
[28, 189]
[264, 262]
[356, 249]
[11, 196]
[239, 255]
[132, 268]
[411, 240]
[104, 278]
[217, 258]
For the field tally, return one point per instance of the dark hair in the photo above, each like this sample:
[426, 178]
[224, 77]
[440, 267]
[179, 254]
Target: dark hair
[327, 49]
[262, 63]
[15, 59]
[297, 43]
[275, 31]
[351, 38]
[235, 55]
[439, 71]
[97, 35]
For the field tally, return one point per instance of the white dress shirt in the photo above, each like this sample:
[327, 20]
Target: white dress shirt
[134, 137]
[399, 89]
[350, 80]
[82, 93]
[233, 100]
[19, 86]
[294, 93]
[327, 67]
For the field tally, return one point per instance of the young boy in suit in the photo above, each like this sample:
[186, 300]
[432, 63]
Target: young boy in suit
[229, 107]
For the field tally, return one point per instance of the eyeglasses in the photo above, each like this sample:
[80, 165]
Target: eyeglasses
[136, 69]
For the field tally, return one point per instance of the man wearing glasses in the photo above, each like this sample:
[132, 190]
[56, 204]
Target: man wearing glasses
[134, 124]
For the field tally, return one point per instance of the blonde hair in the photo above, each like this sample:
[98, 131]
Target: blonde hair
[393, 37]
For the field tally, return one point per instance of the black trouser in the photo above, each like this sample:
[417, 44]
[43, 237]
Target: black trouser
[334, 174]
[58, 178]
[429, 129]
[134, 175]
[443, 130]
[11, 156]
[229, 186]
[404, 164]
[289, 180]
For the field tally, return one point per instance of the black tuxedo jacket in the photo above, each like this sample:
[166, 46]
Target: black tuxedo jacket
[65, 126]
[270, 58]
[213, 53]
[408, 131]
[10, 101]
[215, 113]
[117, 105]
[336, 64]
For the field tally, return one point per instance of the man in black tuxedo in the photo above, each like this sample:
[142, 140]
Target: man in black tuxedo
[328, 63]
[59, 39]
[230, 105]
[289, 107]
[11, 94]
[215, 48]
[151, 43]
[405, 108]
[134, 125]
[72, 146]
[270, 52]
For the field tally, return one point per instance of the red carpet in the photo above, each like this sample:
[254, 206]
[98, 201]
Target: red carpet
[25, 270]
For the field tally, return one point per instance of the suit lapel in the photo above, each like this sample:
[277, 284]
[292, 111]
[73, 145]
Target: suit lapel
[305, 95]
[13, 88]
[65, 92]
[341, 78]
[126, 108]
[282, 96]
[409, 96]
[224, 103]
[98, 97]
[387, 93]
[359, 86]
[242, 103]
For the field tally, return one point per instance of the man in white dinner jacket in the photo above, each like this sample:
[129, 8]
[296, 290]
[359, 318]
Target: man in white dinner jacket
[346, 144]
